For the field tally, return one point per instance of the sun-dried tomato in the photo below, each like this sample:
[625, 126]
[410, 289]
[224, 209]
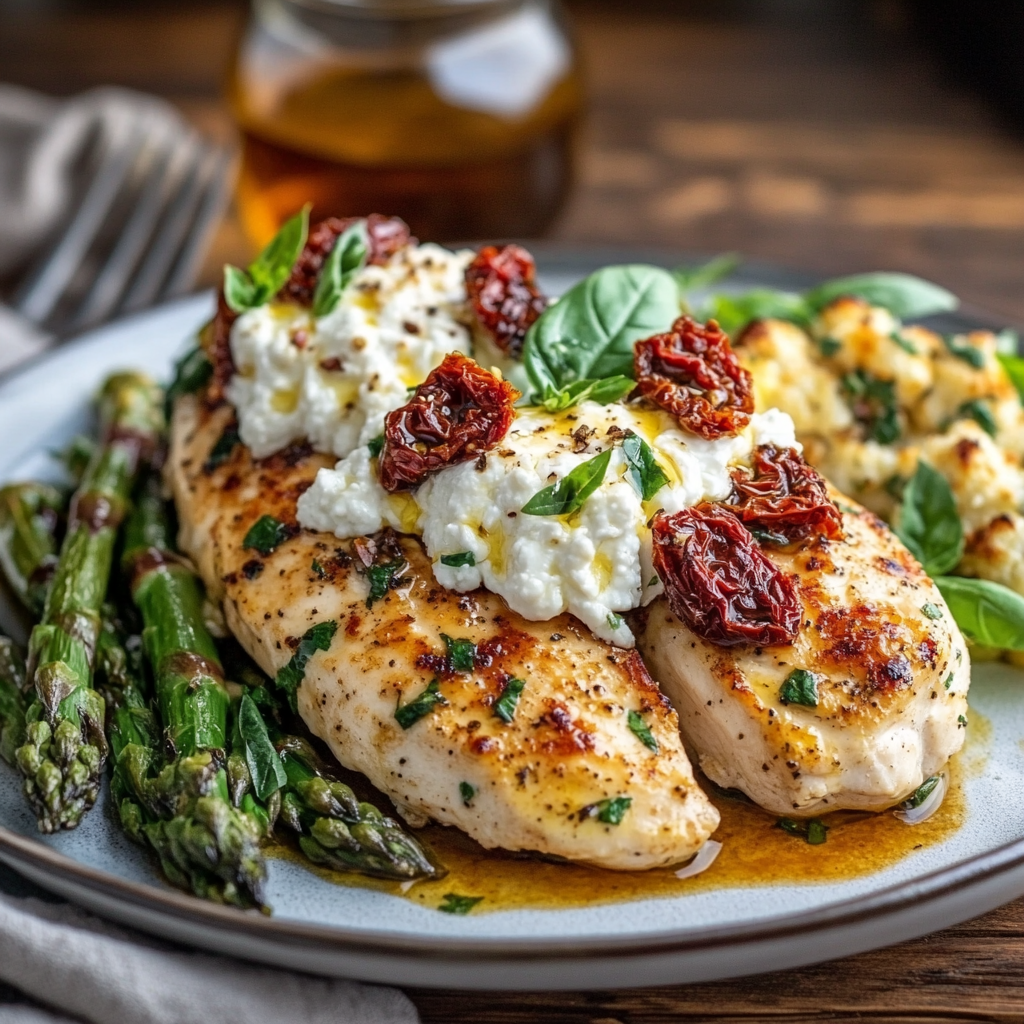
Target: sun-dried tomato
[693, 373]
[458, 413]
[784, 494]
[387, 235]
[719, 582]
[504, 296]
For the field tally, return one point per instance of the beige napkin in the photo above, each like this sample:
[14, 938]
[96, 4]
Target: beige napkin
[89, 970]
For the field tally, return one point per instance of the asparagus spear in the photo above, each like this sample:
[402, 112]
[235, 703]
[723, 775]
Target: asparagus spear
[12, 699]
[203, 841]
[29, 514]
[65, 750]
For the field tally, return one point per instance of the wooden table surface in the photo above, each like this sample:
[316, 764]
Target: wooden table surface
[812, 134]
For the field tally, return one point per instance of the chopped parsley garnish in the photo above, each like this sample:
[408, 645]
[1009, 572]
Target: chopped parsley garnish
[407, 715]
[376, 446]
[964, 350]
[266, 534]
[640, 730]
[461, 653]
[653, 582]
[813, 831]
[459, 559]
[949, 681]
[800, 687]
[570, 493]
[908, 346]
[221, 451]
[962, 721]
[610, 811]
[829, 346]
[318, 569]
[614, 620]
[505, 705]
[316, 638]
[456, 904]
[644, 472]
[467, 792]
[381, 577]
[933, 611]
[770, 537]
[922, 792]
[978, 411]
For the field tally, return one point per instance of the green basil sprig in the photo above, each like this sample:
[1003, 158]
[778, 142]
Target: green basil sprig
[733, 312]
[569, 494]
[987, 612]
[347, 258]
[267, 534]
[800, 687]
[704, 274]
[268, 774]
[588, 334]
[266, 275]
[929, 524]
[604, 392]
[644, 472]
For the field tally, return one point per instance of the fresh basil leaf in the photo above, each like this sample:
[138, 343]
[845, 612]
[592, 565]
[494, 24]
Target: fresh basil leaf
[813, 831]
[800, 687]
[346, 259]
[768, 538]
[987, 612]
[734, 312]
[704, 274]
[964, 350]
[505, 705]
[931, 611]
[459, 559]
[904, 295]
[456, 904]
[1013, 367]
[461, 653]
[467, 792]
[407, 715]
[266, 535]
[829, 346]
[610, 811]
[929, 524]
[268, 775]
[921, 793]
[644, 472]
[222, 450]
[269, 271]
[590, 331]
[908, 346]
[977, 410]
[376, 446]
[571, 491]
[877, 404]
[191, 373]
[316, 638]
[604, 392]
[239, 291]
[639, 728]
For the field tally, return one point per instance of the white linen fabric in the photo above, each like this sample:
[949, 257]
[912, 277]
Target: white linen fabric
[42, 144]
[89, 970]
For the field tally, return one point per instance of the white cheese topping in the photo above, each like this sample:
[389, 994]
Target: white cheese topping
[332, 380]
[595, 562]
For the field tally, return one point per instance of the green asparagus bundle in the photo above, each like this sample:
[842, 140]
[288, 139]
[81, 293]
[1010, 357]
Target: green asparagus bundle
[284, 774]
[12, 699]
[29, 514]
[65, 750]
[184, 809]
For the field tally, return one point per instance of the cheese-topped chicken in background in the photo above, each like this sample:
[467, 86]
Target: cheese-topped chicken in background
[633, 492]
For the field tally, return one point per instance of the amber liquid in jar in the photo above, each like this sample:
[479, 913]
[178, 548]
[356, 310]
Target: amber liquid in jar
[397, 130]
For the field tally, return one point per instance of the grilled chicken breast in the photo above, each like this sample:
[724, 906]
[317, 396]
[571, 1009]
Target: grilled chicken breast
[571, 775]
[890, 670]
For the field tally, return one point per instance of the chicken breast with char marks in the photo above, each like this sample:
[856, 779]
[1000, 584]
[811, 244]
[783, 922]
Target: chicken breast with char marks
[570, 775]
[865, 704]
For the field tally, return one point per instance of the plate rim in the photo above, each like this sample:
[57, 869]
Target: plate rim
[915, 893]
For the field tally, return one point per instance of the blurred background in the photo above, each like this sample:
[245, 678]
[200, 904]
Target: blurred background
[830, 136]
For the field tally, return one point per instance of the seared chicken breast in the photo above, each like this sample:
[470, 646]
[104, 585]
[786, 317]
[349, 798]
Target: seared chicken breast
[534, 736]
[866, 703]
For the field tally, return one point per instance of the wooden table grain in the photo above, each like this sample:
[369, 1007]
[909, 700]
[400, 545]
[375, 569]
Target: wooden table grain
[813, 134]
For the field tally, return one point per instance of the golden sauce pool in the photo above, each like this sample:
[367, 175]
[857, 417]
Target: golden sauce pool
[755, 852]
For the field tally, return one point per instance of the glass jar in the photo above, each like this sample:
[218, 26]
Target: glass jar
[456, 115]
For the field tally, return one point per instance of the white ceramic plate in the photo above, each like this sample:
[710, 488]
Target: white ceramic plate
[372, 935]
